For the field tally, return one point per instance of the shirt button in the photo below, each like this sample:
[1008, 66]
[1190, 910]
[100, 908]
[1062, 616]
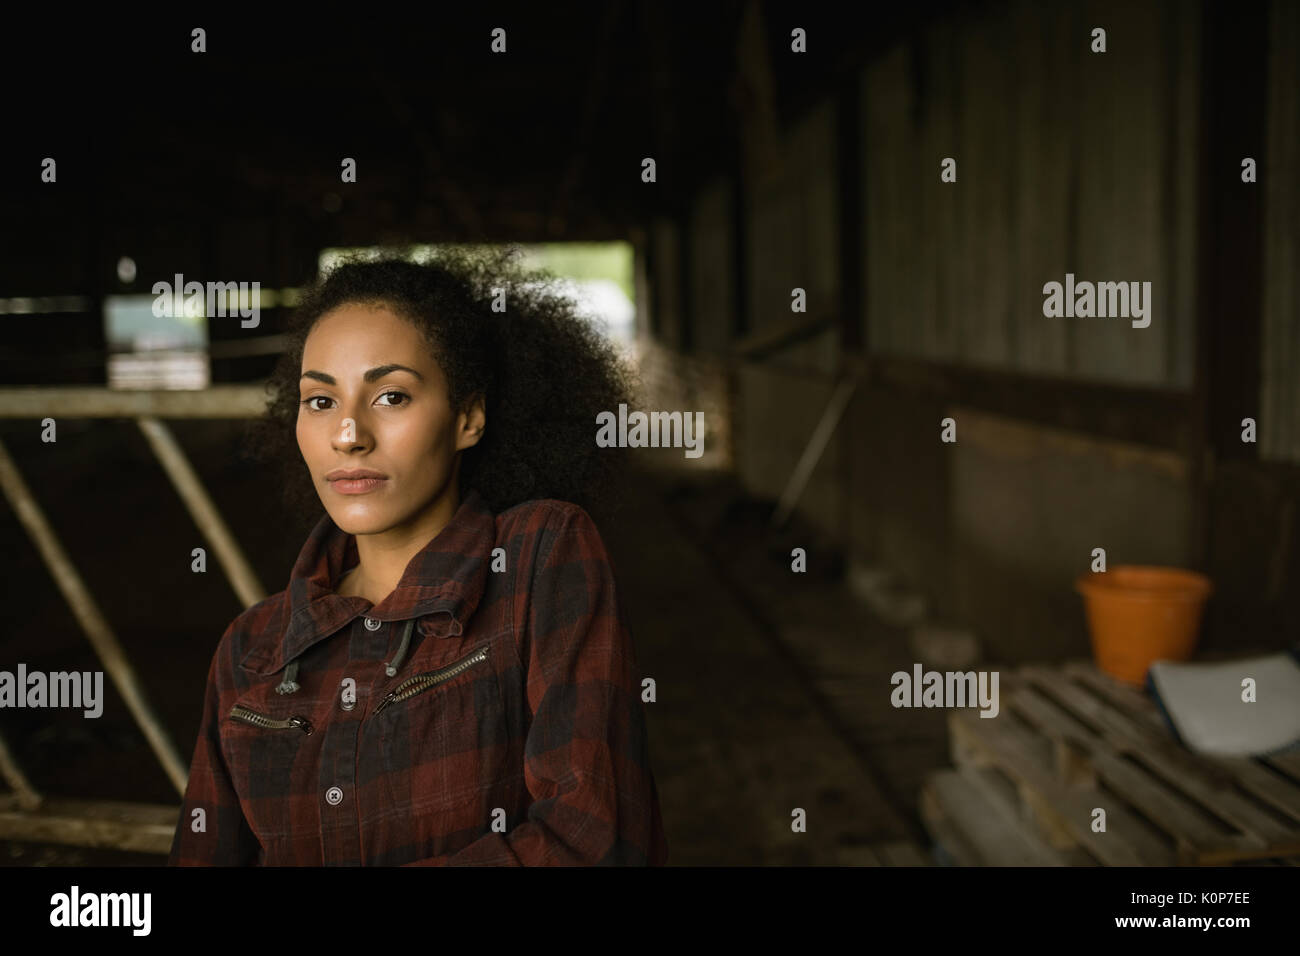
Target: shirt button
[372, 624]
[333, 796]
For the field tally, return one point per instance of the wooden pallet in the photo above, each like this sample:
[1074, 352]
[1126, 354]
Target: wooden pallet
[1068, 739]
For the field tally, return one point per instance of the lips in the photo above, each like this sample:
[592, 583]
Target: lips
[343, 474]
[355, 481]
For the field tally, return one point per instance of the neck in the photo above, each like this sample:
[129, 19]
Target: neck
[383, 557]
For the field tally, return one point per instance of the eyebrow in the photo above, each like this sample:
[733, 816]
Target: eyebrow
[376, 373]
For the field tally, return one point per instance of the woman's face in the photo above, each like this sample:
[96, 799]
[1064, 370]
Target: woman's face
[375, 424]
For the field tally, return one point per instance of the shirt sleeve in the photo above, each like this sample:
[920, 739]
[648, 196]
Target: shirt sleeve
[220, 836]
[586, 760]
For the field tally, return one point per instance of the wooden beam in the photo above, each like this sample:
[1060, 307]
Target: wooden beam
[107, 647]
[852, 237]
[777, 335]
[134, 827]
[219, 401]
[1229, 248]
[686, 336]
[739, 277]
[23, 791]
[1149, 416]
[206, 516]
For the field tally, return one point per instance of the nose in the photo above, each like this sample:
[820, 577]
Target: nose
[352, 432]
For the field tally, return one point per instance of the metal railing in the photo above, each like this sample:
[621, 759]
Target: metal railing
[26, 814]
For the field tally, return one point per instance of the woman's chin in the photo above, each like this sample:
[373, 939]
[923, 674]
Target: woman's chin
[360, 519]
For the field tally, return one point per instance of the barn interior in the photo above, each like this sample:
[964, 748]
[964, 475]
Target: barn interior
[833, 231]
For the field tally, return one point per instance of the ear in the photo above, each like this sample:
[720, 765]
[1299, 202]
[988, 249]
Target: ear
[470, 424]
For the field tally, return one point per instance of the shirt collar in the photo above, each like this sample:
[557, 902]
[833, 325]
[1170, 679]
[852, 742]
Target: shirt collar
[441, 585]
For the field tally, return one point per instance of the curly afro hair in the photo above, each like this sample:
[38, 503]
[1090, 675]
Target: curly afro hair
[545, 372]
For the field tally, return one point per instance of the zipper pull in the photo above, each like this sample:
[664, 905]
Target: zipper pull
[386, 701]
[302, 723]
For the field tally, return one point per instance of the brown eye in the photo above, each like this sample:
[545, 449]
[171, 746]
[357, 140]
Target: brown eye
[401, 397]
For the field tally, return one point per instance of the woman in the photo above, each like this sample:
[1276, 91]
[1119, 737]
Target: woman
[447, 678]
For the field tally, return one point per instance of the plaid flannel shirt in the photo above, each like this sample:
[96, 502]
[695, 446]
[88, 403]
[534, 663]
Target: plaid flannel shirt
[512, 732]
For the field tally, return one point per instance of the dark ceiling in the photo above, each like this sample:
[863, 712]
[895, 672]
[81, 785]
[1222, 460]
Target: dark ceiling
[160, 149]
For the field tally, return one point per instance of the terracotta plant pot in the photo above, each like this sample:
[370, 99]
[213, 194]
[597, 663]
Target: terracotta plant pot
[1138, 614]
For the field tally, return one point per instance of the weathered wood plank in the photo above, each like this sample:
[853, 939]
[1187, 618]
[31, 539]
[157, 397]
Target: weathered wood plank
[987, 824]
[136, 827]
[1026, 758]
[1253, 775]
[1172, 763]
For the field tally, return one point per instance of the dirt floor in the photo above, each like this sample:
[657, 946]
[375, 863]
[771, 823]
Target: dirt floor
[773, 686]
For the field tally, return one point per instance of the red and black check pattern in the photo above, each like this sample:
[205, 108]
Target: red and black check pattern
[523, 743]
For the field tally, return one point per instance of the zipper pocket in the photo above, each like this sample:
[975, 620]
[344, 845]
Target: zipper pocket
[422, 682]
[269, 723]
